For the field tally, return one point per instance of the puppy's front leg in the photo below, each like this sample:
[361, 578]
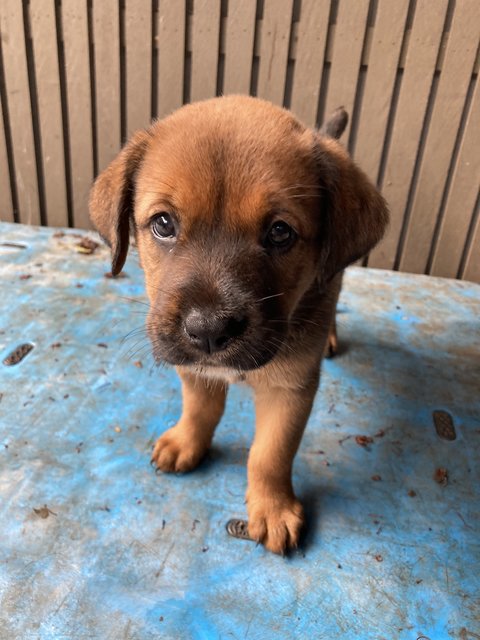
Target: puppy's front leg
[183, 446]
[275, 516]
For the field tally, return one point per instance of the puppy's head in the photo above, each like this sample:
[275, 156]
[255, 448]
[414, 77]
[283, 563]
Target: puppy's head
[239, 211]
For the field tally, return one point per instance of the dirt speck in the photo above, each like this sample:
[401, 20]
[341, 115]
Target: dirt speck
[363, 441]
[376, 478]
[44, 512]
[379, 558]
[204, 549]
[86, 246]
[117, 429]
[102, 345]
[56, 345]
[194, 524]
[412, 493]
[25, 276]
[138, 364]
[441, 476]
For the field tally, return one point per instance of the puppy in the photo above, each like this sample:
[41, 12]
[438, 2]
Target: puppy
[244, 220]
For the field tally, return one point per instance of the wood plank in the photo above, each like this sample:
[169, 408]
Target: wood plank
[79, 107]
[409, 117]
[240, 35]
[384, 53]
[19, 109]
[461, 198]
[275, 40]
[205, 49]
[106, 45]
[6, 205]
[446, 115]
[310, 54]
[171, 56]
[45, 53]
[138, 45]
[346, 57]
[472, 264]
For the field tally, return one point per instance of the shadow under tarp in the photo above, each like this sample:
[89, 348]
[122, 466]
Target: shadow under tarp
[95, 545]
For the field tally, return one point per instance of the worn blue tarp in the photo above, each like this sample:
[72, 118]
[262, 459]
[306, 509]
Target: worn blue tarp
[95, 545]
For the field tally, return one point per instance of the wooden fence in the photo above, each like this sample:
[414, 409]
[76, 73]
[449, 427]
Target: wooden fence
[77, 77]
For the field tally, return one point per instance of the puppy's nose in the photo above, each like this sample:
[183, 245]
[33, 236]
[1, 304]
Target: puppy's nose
[210, 333]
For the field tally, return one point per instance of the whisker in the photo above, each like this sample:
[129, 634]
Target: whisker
[275, 295]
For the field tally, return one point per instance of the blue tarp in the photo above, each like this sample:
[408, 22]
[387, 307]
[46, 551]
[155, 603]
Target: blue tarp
[95, 545]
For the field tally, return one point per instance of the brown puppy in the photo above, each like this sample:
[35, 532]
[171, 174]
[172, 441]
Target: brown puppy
[244, 219]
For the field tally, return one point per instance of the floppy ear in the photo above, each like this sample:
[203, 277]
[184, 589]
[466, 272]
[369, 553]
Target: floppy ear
[112, 198]
[355, 216]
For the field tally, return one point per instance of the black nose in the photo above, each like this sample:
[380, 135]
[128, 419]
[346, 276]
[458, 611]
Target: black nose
[210, 332]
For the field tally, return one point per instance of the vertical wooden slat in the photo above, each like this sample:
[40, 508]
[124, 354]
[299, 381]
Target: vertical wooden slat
[6, 205]
[239, 46]
[309, 60]
[447, 111]
[106, 41]
[472, 264]
[19, 109]
[275, 39]
[171, 56]
[79, 106]
[205, 44]
[45, 52]
[346, 56]
[380, 80]
[412, 103]
[461, 198]
[138, 41]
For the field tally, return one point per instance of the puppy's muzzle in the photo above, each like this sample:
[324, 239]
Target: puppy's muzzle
[210, 332]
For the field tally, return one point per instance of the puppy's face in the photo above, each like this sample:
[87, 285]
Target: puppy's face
[237, 213]
[227, 230]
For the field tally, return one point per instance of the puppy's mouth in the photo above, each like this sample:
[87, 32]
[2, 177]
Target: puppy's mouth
[239, 344]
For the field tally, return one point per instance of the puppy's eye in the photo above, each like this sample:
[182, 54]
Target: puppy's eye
[280, 235]
[163, 226]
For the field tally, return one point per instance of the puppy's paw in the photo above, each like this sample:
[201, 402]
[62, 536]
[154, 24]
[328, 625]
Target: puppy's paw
[274, 521]
[174, 451]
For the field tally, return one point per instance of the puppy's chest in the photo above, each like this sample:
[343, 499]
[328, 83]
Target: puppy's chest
[225, 374]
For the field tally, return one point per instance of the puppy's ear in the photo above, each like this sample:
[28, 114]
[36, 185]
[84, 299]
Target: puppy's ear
[112, 198]
[354, 214]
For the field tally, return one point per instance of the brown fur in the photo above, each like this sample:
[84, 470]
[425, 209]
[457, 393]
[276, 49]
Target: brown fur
[227, 169]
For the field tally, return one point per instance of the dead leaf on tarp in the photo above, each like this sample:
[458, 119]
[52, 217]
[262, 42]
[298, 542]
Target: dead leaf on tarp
[44, 512]
[86, 245]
